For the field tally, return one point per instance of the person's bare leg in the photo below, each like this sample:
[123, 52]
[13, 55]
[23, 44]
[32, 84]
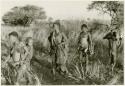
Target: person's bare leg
[64, 68]
[87, 61]
[54, 69]
[19, 74]
[114, 62]
[53, 65]
[80, 64]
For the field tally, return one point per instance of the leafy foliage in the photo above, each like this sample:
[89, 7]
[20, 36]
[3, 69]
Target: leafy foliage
[114, 8]
[23, 15]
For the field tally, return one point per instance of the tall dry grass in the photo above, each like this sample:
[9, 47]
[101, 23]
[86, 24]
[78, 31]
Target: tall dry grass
[98, 62]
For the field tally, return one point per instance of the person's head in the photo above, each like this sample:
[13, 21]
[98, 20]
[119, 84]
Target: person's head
[51, 25]
[56, 27]
[29, 41]
[84, 27]
[13, 37]
[22, 44]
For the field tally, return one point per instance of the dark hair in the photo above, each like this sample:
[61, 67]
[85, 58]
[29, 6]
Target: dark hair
[56, 23]
[51, 25]
[84, 25]
[14, 33]
[27, 40]
[114, 34]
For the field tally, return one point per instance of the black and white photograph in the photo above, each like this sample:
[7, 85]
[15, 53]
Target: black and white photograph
[62, 42]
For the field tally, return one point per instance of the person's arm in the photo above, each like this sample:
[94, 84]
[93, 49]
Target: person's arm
[79, 41]
[79, 38]
[7, 60]
[119, 41]
[31, 53]
[12, 50]
[89, 42]
[64, 39]
[51, 39]
[26, 53]
[108, 35]
[65, 42]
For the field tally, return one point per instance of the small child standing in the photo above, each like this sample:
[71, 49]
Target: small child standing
[29, 50]
[84, 46]
[26, 58]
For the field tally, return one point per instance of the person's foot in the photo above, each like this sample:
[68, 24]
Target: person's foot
[83, 78]
[16, 83]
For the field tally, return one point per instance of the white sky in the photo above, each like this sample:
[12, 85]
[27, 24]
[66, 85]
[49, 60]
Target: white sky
[60, 9]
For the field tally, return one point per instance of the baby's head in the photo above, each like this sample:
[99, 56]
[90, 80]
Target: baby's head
[29, 41]
[22, 44]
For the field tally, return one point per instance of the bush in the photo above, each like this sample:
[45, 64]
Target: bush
[24, 15]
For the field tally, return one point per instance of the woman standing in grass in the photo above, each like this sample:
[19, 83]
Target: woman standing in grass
[58, 49]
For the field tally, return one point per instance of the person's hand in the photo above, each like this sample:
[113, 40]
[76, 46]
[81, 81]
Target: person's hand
[60, 44]
[90, 52]
[22, 44]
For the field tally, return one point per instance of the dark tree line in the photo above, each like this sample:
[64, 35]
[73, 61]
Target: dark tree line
[24, 16]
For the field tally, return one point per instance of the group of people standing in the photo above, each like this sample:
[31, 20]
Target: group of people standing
[21, 52]
[59, 48]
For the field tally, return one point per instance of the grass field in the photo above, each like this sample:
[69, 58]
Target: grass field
[98, 66]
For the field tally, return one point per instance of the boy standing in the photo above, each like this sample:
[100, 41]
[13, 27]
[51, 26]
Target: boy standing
[84, 46]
